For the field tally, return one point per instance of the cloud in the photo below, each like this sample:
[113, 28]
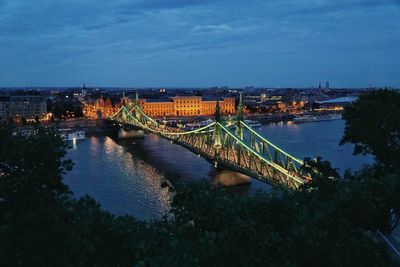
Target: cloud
[68, 34]
[164, 4]
[212, 28]
[345, 6]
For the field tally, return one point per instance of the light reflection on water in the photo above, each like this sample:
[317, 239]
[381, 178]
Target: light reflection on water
[120, 181]
[125, 176]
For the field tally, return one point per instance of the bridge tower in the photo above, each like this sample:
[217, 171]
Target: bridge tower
[239, 126]
[123, 102]
[240, 107]
[217, 133]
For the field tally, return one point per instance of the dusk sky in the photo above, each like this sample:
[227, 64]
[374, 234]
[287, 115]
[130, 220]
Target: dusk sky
[199, 43]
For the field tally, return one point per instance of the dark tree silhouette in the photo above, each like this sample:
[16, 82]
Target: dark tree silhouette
[373, 126]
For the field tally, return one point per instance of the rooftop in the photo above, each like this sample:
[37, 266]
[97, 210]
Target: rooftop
[186, 96]
[158, 100]
[33, 98]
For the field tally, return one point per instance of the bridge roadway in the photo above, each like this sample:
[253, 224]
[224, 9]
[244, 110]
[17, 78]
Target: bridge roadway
[232, 144]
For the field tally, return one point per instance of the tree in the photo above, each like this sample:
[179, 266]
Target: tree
[78, 111]
[373, 126]
[57, 112]
[31, 188]
[49, 104]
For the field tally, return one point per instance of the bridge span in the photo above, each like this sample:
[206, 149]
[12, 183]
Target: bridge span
[229, 143]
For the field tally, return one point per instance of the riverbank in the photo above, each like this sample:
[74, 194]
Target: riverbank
[285, 117]
[89, 126]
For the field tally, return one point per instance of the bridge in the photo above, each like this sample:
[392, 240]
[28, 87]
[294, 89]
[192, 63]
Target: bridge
[230, 143]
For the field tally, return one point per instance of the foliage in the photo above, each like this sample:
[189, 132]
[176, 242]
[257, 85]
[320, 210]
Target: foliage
[65, 109]
[328, 223]
[31, 189]
[373, 126]
[321, 227]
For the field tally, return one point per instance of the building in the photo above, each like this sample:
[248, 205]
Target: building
[101, 108]
[335, 104]
[185, 106]
[4, 108]
[270, 97]
[18, 107]
[157, 107]
[163, 107]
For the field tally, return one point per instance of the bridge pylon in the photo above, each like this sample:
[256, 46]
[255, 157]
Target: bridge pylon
[217, 133]
[239, 127]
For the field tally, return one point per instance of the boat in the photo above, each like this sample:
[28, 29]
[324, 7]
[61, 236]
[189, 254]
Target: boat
[253, 124]
[191, 126]
[205, 123]
[71, 135]
[197, 125]
[315, 118]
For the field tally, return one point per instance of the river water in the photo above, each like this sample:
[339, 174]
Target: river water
[125, 176]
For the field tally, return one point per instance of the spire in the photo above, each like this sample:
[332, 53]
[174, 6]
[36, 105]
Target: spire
[137, 97]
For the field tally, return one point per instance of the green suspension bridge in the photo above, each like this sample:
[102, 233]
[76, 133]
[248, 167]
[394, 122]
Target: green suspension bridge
[229, 143]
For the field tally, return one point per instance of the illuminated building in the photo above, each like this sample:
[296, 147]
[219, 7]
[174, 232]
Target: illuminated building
[101, 109]
[157, 107]
[174, 106]
[18, 107]
[185, 106]
[336, 104]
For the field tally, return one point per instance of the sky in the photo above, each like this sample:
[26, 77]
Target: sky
[199, 43]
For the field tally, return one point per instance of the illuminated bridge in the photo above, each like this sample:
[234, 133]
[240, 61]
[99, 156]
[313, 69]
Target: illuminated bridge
[229, 143]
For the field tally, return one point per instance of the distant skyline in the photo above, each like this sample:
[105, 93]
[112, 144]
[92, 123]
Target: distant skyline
[200, 43]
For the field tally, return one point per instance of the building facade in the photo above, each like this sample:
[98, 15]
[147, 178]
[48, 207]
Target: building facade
[185, 106]
[167, 107]
[18, 107]
[157, 107]
[101, 108]
[4, 108]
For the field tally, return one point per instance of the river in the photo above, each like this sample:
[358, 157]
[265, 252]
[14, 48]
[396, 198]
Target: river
[125, 176]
